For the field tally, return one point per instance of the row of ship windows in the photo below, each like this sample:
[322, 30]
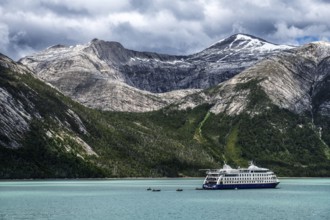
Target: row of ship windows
[264, 181]
[254, 174]
[241, 175]
[233, 178]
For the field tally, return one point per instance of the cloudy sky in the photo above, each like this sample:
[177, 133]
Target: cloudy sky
[166, 26]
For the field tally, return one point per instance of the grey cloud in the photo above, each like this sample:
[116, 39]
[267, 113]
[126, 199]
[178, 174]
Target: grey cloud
[326, 1]
[142, 6]
[175, 27]
[143, 41]
[183, 10]
[63, 10]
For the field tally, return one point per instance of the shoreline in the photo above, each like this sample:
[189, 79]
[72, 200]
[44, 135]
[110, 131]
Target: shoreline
[136, 178]
[110, 178]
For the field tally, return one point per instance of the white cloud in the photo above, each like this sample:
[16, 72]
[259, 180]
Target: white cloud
[4, 38]
[283, 31]
[238, 28]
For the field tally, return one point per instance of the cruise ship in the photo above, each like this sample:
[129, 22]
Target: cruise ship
[241, 178]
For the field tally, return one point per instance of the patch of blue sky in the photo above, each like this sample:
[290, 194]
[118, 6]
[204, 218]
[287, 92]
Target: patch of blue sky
[306, 39]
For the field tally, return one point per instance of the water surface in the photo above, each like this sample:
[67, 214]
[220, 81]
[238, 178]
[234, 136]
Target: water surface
[303, 198]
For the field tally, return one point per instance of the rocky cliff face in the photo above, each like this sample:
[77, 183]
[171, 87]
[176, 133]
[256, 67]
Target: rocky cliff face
[126, 80]
[40, 130]
[24, 100]
[14, 118]
[296, 80]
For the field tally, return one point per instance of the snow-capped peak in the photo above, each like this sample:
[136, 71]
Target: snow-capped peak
[321, 43]
[244, 41]
[244, 37]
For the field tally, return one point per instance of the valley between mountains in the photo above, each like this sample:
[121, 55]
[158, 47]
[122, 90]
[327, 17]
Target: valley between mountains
[101, 110]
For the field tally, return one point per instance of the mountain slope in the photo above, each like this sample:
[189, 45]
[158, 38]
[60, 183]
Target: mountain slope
[291, 80]
[277, 111]
[85, 71]
[44, 134]
[66, 139]
[39, 133]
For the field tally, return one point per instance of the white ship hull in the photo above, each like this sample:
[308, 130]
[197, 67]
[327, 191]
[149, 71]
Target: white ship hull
[252, 177]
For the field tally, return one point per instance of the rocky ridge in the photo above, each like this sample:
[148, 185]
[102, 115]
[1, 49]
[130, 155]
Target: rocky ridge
[125, 80]
[293, 80]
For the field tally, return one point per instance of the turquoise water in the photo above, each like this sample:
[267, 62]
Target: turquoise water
[303, 198]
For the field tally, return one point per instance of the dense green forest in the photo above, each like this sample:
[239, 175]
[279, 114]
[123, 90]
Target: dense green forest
[167, 142]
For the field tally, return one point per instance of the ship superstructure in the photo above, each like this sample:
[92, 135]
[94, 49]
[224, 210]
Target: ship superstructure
[240, 178]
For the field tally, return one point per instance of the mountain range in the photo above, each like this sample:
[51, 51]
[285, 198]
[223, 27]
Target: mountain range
[100, 110]
[107, 76]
